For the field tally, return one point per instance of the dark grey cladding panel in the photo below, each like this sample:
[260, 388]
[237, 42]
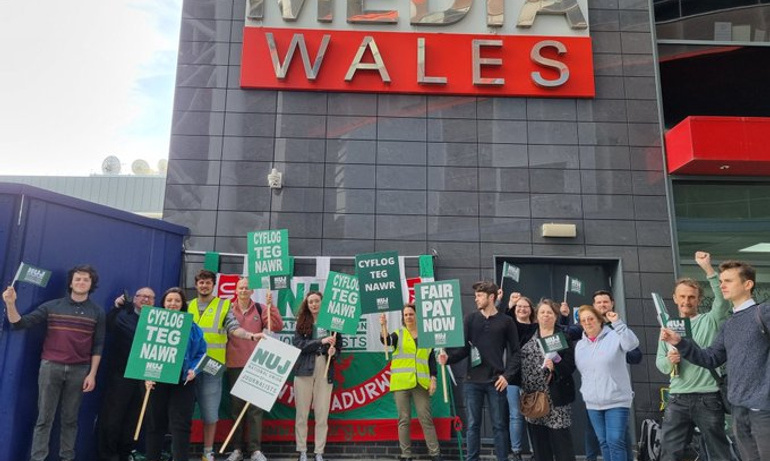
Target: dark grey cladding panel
[505, 230]
[608, 206]
[401, 153]
[605, 157]
[453, 154]
[400, 227]
[503, 131]
[453, 203]
[350, 176]
[352, 104]
[350, 151]
[452, 179]
[350, 201]
[348, 226]
[602, 110]
[245, 198]
[401, 129]
[554, 156]
[452, 107]
[452, 130]
[552, 181]
[453, 228]
[255, 149]
[302, 199]
[190, 147]
[407, 202]
[401, 177]
[504, 204]
[606, 182]
[557, 206]
[457, 254]
[540, 109]
[302, 102]
[300, 150]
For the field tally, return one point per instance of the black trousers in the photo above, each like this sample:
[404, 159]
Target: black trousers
[170, 409]
[551, 444]
[118, 416]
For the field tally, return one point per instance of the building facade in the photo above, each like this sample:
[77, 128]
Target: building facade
[470, 178]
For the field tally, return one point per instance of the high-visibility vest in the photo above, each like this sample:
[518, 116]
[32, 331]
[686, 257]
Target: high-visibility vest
[409, 366]
[212, 322]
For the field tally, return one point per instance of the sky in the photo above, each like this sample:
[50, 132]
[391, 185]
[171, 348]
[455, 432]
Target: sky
[83, 80]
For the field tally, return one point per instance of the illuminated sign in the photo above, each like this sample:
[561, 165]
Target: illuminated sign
[538, 48]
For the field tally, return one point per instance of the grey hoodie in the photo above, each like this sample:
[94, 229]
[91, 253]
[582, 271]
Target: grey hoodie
[602, 366]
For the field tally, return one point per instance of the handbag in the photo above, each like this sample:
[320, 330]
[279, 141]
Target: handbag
[534, 405]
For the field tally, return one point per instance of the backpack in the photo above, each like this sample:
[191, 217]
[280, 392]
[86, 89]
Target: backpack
[649, 441]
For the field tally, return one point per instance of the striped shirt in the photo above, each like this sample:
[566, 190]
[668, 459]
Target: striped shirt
[75, 329]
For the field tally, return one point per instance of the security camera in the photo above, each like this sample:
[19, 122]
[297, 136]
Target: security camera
[275, 179]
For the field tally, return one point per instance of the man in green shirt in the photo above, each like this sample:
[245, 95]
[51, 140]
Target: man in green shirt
[694, 393]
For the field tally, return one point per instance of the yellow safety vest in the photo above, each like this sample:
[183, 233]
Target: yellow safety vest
[212, 322]
[409, 366]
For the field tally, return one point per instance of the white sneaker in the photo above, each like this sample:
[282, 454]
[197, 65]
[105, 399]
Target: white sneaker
[257, 456]
[302, 456]
[236, 455]
[319, 457]
[208, 457]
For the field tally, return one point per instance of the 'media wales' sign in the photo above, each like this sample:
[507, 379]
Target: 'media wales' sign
[536, 48]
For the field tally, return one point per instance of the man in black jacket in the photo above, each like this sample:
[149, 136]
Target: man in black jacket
[492, 346]
[123, 398]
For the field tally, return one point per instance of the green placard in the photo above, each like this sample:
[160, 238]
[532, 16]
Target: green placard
[680, 325]
[211, 366]
[211, 261]
[510, 271]
[280, 282]
[660, 309]
[575, 285]
[341, 307]
[268, 254]
[160, 343]
[439, 314]
[554, 343]
[426, 267]
[32, 274]
[379, 277]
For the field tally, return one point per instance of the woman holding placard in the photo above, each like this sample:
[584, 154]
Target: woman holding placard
[171, 405]
[412, 379]
[311, 385]
[547, 364]
[606, 388]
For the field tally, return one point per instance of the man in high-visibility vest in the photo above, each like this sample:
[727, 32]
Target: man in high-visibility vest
[209, 314]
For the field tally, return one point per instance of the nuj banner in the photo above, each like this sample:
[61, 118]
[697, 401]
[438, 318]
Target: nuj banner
[362, 407]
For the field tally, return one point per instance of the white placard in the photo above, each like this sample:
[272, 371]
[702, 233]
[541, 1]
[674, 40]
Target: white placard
[265, 373]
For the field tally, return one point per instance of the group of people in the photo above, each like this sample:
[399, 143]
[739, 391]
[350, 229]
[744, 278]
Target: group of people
[507, 364]
[225, 330]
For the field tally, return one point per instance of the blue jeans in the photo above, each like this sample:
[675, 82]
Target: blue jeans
[703, 410]
[752, 432]
[475, 393]
[59, 385]
[611, 427]
[516, 422]
[208, 393]
[593, 450]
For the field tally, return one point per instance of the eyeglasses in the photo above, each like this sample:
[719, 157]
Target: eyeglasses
[588, 320]
[142, 295]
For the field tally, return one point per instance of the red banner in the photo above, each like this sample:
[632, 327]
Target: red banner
[564, 63]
